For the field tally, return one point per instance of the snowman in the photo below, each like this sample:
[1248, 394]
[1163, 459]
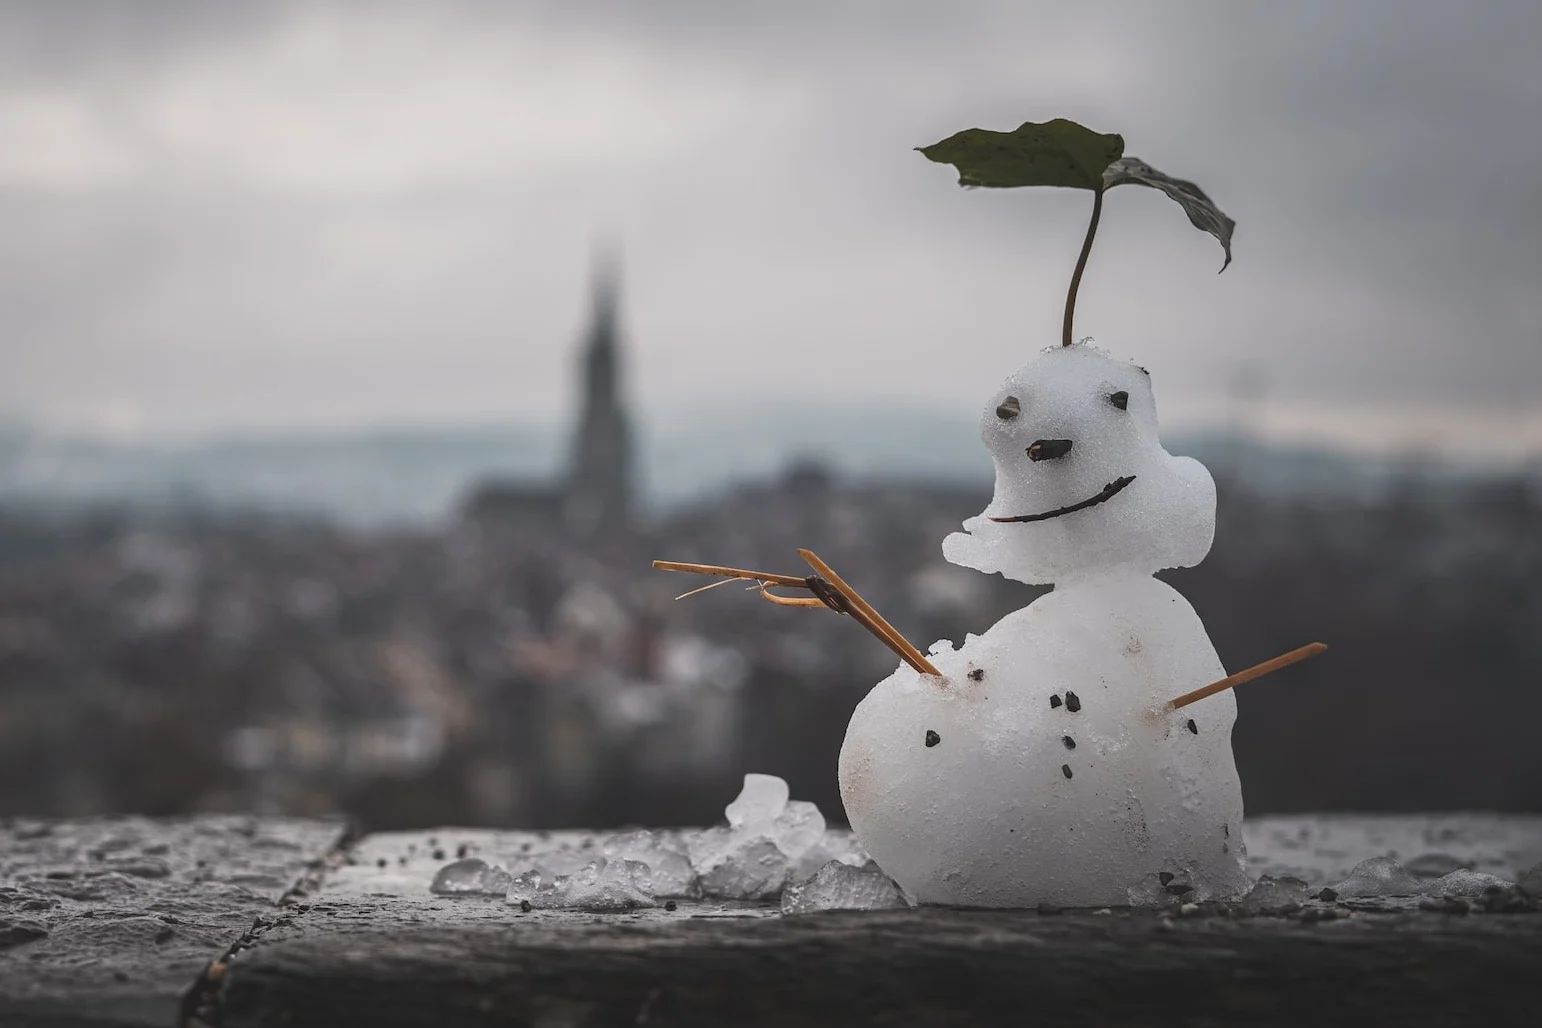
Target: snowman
[1044, 765]
[1074, 754]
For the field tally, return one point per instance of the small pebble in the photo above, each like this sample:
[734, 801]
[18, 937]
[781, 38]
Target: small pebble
[670, 905]
[1072, 703]
[1070, 743]
[438, 854]
[977, 675]
[932, 738]
[1192, 729]
[1054, 701]
[524, 905]
[1065, 769]
[1327, 895]
[460, 852]
[1165, 877]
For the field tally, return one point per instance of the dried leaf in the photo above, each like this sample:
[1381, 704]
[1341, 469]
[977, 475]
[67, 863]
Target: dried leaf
[1054, 153]
[1202, 211]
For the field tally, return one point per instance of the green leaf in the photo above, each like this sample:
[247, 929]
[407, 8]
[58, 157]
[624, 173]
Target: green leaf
[1202, 211]
[1055, 153]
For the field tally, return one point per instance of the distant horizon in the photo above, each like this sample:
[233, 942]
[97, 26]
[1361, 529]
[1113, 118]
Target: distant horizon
[1271, 429]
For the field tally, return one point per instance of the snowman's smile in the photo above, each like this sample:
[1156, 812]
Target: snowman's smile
[1108, 492]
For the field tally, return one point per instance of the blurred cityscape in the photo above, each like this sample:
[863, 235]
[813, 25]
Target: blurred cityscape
[519, 663]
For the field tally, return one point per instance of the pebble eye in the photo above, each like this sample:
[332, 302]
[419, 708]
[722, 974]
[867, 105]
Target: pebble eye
[1009, 408]
[1121, 399]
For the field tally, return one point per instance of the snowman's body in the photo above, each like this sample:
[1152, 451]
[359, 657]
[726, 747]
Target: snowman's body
[1042, 767]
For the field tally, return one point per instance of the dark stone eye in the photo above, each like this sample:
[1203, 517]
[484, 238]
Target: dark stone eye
[1008, 409]
[1121, 399]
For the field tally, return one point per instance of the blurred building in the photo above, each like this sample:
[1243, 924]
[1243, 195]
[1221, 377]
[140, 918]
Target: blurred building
[594, 497]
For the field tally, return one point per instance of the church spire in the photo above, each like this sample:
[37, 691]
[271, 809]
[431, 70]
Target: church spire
[599, 489]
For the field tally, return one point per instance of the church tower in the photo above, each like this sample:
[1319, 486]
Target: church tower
[597, 499]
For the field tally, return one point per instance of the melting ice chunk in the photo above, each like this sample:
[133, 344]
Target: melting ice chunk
[838, 886]
[665, 855]
[526, 888]
[798, 828]
[1465, 883]
[609, 885]
[472, 876]
[747, 869]
[600, 885]
[1379, 876]
[768, 840]
[1271, 893]
[759, 803]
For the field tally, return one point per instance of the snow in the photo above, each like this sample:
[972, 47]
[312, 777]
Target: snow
[1163, 519]
[1384, 876]
[1379, 876]
[758, 804]
[601, 884]
[665, 855]
[768, 842]
[1057, 777]
[1274, 894]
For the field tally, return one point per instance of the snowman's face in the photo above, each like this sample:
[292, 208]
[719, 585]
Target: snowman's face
[1082, 482]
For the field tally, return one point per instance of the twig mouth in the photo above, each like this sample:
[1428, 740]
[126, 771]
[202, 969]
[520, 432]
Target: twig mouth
[1108, 492]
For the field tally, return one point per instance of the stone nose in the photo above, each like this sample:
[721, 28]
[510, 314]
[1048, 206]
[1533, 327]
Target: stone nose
[1049, 449]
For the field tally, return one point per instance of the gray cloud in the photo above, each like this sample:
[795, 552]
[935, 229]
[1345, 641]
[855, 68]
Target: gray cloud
[264, 214]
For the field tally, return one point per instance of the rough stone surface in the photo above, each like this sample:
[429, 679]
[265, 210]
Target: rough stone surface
[378, 944]
[926, 966]
[360, 939]
[108, 921]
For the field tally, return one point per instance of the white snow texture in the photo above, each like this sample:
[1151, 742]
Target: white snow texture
[1042, 768]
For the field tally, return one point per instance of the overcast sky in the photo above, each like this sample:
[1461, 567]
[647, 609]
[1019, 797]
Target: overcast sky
[276, 216]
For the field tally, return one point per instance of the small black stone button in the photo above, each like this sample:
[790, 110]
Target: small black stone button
[1065, 769]
[1192, 729]
[1327, 895]
[1054, 701]
[671, 905]
[1072, 703]
[1070, 743]
[524, 906]
[932, 738]
[977, 675]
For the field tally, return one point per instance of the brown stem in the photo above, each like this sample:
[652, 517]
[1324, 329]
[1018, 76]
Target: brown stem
[1081, 265]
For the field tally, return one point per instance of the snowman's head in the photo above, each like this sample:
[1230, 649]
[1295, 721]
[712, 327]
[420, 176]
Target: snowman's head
[1082, 482]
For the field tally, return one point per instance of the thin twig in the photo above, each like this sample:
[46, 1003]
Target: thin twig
[716, 569]
[704, 588]
[871, 619]
[1256, 671]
